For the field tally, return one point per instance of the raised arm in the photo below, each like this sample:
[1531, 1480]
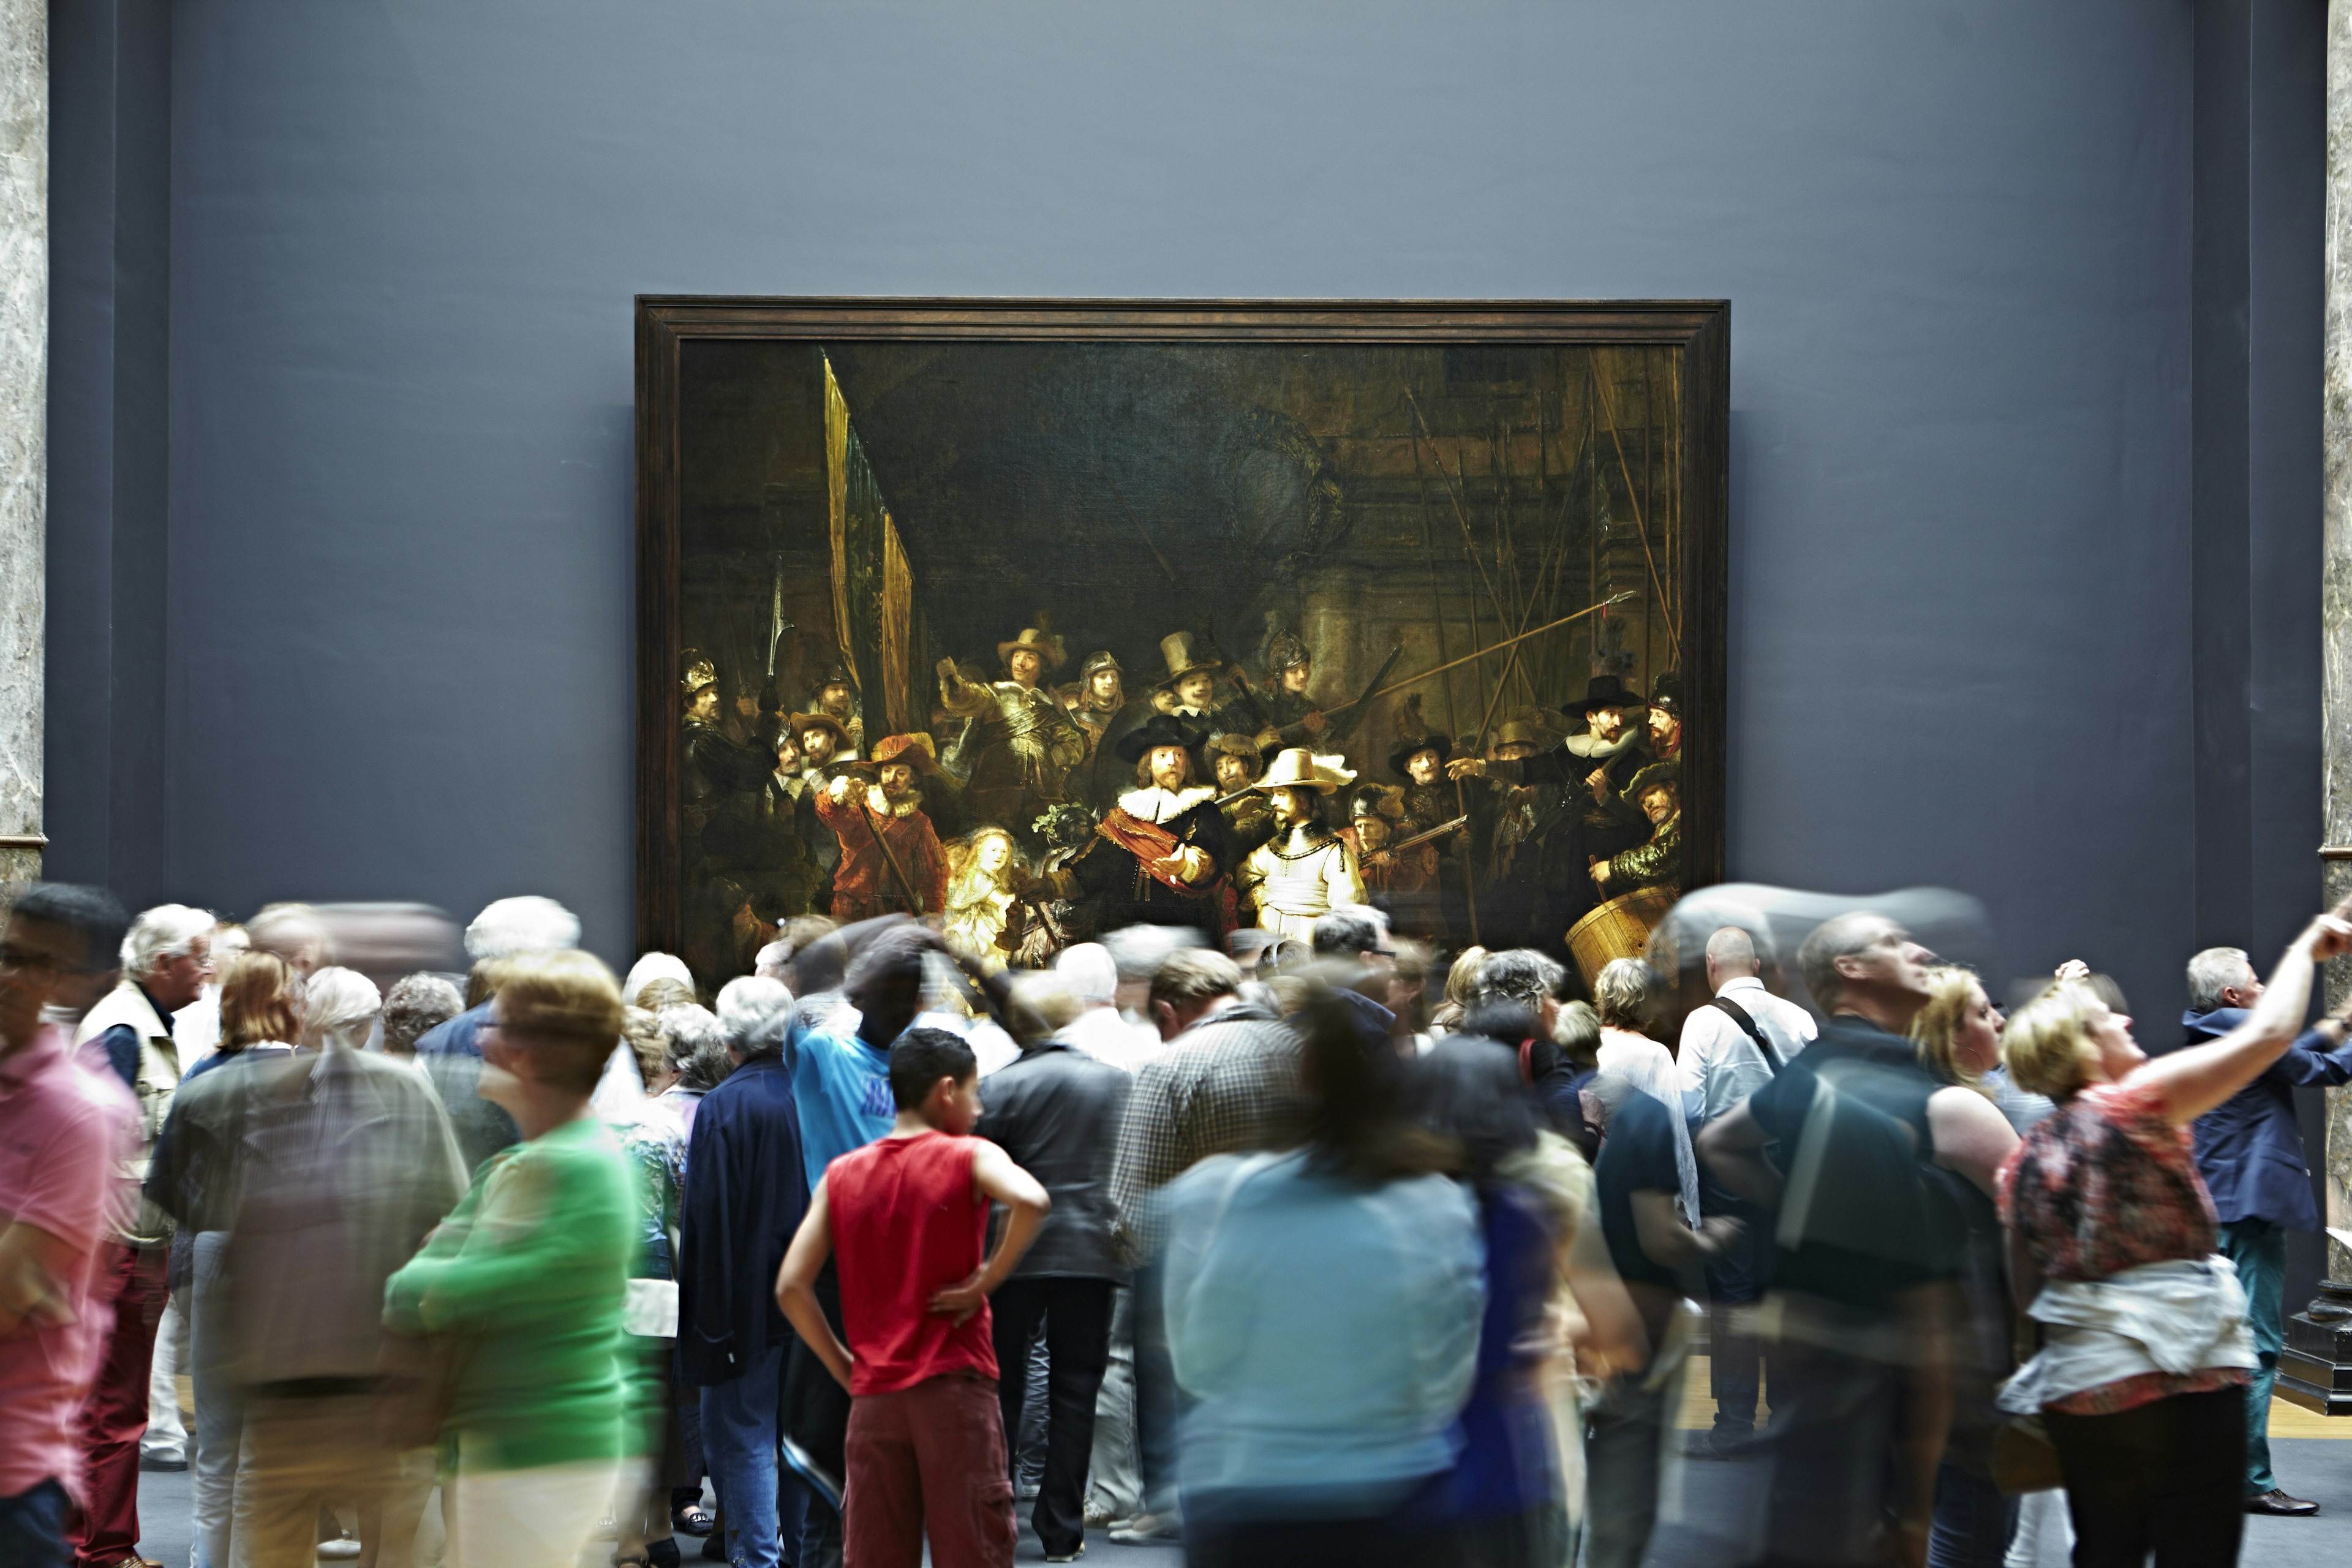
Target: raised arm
[2196, 1079]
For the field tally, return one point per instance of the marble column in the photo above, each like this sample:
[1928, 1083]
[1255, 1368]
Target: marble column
[24, 375]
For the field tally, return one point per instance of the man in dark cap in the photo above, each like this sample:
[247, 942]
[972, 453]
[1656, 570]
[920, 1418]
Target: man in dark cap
[1594, 769]
[1160, 855]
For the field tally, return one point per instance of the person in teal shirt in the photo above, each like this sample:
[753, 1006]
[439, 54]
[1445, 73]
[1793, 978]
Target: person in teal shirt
[841, 1083]
[518, 1293]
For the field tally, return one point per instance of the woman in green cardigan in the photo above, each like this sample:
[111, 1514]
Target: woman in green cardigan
[521, 1289]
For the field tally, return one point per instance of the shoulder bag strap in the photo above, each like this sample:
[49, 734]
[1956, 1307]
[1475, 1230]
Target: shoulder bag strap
[1738, 1015]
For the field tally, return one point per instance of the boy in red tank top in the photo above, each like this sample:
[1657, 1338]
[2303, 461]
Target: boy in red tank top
[907, 1216]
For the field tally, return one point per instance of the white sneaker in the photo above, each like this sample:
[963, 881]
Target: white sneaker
[339, 1550]
[1146, 1529]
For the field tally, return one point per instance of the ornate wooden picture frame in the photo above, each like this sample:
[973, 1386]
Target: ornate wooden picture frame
[920, 581]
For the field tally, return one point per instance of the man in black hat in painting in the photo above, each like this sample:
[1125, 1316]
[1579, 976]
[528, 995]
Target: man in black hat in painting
[1594, 769]
[1161, 854]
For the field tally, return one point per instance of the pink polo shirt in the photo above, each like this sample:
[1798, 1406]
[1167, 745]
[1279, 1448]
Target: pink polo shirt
[64, 1131]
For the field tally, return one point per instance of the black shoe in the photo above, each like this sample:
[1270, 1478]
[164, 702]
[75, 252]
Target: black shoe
[714, 1548]
[153, 1464]
[662, 1553]
[1722, 1443]
[2281, 1506]
[692, 1520]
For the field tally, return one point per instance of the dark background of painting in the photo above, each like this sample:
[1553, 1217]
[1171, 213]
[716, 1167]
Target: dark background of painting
[2024, 362]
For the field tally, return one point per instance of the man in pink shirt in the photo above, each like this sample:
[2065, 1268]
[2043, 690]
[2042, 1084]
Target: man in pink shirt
[64, 1131]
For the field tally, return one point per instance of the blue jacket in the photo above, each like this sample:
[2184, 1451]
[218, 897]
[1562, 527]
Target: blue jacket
[2249, 1147]
[745, 1195]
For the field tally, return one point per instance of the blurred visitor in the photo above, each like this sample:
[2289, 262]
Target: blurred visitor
[507, 928]
[413, 1007]
[2141, 1380]
[1623, 992]
[746, 1192]
[1731, 1047]
[1660, 1257]
[342, 1164]
[199, 1164]
[1055, 1111]
[1323, 1311]
[521, 1286]
[2250, 1153]
[65, 1130]
[1854, 1318]
[1228, 1084]
[165, 959]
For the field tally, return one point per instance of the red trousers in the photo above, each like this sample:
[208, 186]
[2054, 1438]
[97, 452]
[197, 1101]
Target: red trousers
[927, 1460]
[105, 1529]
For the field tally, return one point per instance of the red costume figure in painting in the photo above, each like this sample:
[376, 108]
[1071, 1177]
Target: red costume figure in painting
[876, 874]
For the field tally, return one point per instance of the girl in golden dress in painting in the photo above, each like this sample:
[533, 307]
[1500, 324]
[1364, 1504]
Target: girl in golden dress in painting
[980, 896]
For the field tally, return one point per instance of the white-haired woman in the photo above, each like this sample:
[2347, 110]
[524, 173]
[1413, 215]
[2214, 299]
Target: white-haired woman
[2112, 1248]
[1621, 996]
[338, 1010]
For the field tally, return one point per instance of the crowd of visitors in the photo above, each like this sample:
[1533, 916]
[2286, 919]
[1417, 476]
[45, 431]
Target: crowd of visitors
[1298, 1253]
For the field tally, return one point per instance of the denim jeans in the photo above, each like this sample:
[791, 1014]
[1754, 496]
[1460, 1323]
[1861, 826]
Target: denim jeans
[220, 1404]
[1973, 1519]
[2259, 1249]
[1159, 1403]
[1625, 1435]
[761, 1500]
[32, 1528]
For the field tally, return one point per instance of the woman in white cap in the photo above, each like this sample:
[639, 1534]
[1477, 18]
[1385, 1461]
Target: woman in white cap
[1306, 870]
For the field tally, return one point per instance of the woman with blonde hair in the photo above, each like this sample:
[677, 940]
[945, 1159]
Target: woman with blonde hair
[2112, 1246]
[980, 896]
[523, 1283]
[1623, 994]
[1461, 990]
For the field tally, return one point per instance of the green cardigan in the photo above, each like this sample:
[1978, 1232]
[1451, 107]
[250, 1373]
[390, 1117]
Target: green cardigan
[527, 1277]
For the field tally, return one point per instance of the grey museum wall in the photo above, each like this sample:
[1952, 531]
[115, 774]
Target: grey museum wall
[2024, 374]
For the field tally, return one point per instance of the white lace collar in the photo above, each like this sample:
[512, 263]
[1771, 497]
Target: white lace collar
[1155, 804]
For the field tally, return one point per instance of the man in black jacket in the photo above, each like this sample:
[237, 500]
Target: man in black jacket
[746, 1191]
[1057, 1112]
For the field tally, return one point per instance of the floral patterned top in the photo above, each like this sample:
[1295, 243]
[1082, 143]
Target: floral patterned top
[2104, 1183]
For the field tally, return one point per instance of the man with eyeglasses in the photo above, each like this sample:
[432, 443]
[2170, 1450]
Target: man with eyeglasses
[166, 958]
[65, 1130]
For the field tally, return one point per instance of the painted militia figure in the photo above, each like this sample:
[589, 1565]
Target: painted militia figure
[1236, 762]
[822, 739]
[980, 878]
[1296, 878]
[1590, 770]
[877, 874]
[790, 872]
[1160, 855]
[1391, 874]
[1095, 698]
[1029, 742]
[834, 693]
[1665, 737]
[1657, 790]
[721, 778]
[1191, 688]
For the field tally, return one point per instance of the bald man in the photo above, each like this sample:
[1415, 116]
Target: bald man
[1730, 1048]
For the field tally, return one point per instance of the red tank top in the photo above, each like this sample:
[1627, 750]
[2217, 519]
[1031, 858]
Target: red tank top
[908, 1222]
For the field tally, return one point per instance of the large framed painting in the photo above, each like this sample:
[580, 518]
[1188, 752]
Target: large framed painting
[1038, 620]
